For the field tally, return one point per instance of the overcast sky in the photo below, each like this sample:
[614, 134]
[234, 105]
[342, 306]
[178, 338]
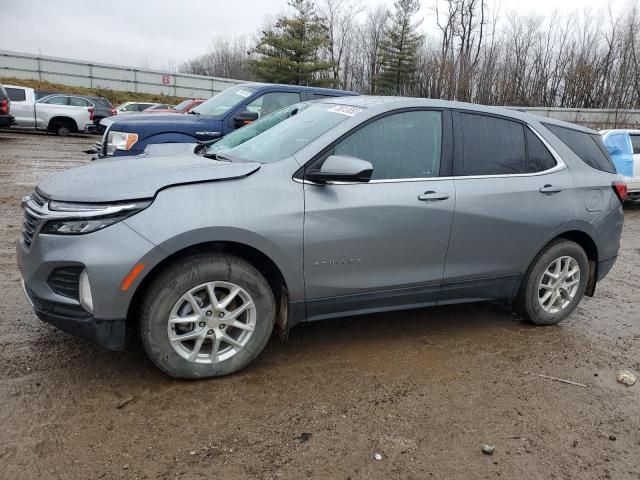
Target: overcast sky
[163, 33]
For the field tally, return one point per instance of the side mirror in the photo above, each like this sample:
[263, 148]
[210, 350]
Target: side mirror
[342, 168]
[244, 118]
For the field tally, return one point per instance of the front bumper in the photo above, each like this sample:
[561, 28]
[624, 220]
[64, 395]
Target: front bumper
[110, 334]
[108, 256]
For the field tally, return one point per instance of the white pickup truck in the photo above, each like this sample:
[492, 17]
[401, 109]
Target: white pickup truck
[49, 113]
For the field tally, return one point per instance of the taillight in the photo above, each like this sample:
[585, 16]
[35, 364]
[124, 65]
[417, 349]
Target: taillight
[4, 107]
[91, 114]
[621, 190]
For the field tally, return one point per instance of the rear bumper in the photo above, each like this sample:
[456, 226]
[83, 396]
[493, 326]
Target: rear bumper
[110, 334]
[6, 121]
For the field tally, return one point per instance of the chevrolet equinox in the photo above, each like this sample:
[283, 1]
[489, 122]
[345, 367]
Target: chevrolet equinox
[337, 207]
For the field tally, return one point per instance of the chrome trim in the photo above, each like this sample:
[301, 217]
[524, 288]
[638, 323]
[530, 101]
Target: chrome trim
[560, 165]
[26, 294]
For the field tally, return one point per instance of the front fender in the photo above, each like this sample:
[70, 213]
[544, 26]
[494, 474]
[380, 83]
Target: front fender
[164, 252]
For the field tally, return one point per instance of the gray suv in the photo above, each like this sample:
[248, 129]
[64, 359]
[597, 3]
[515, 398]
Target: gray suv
[338, 207]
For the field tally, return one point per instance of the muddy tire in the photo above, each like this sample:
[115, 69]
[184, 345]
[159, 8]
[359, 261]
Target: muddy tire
[554, 284]
[206, 315]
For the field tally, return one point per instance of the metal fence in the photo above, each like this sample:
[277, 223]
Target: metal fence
[589, 117]
[111, 77]
[114, 77]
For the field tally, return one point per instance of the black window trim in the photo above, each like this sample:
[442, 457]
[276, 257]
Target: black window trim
[446, 149]
[458, 149]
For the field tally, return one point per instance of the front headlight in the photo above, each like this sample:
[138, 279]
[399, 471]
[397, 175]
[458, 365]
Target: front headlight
[120, 141]
[81, 218]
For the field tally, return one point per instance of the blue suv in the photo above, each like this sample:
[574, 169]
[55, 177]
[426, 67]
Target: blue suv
[231, 109]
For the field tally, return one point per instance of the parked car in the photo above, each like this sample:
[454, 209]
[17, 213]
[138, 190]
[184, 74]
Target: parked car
[134, 107]
[624, 148]
[160, 107]
[6, 119]
[350, 206]
[218, 116]
[54, 113]
[183, 107]
[101, 107]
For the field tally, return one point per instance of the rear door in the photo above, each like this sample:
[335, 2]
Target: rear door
[512, 195]
[21, 107]
[376, 245]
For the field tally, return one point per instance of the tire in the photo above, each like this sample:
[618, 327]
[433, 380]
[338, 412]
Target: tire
[168, 296]
[63, 131]
[530, 303]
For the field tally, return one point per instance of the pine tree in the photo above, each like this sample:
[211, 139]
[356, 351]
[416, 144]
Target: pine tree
[290, 51]
[399, 49]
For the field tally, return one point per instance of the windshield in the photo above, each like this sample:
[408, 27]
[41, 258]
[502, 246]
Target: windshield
[182, 105]
[224, 101]
[282, 133]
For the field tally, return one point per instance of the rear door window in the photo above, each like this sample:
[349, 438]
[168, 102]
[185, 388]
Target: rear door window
[587, 146]
[78, 102]
[539, 157]
[491, 146]
[16, 94]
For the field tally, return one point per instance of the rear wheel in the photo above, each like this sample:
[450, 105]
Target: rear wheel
[554, 284]
[207, 316]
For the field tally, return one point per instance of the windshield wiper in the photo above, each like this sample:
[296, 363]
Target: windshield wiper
[191, 112]
[215, 156]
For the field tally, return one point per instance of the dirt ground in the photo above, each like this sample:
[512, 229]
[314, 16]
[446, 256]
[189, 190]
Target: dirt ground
[424, 389]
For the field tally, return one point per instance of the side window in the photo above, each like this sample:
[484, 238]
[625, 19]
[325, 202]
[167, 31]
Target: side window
[402, 145]
[270, 102]
[57, 101]
[16, 94]
[635, 141]
[540, 158]
[78, 102]
[587, 146]
[491, 146]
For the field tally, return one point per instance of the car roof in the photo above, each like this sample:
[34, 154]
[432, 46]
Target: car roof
[383, 103]
[296, 88]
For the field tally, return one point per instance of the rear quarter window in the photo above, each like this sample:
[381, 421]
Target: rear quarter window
[587, 146]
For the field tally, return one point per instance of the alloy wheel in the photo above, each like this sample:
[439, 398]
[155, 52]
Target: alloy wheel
[212, 322]
[559, 284]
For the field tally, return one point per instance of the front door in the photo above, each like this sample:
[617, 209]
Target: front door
[371, 246]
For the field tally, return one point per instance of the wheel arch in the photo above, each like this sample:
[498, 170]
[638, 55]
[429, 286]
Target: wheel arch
[256, 257]
[588, 244]
[60, 119]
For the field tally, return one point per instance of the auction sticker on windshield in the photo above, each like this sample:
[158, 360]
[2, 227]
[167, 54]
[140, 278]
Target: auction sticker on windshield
[345, 110]
[243, 93]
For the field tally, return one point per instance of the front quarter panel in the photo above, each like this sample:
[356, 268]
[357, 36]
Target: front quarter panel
[264, 210]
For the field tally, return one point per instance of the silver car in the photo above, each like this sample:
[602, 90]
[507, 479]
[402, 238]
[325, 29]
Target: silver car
[338, 207]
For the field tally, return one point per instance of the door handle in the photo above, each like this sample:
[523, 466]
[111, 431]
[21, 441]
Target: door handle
[431, 196]
[550, 189]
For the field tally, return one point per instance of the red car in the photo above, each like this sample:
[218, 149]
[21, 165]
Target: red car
[183, 107]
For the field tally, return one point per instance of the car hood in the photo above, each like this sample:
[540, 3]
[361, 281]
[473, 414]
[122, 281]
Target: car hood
[127, 122]
[132, 178]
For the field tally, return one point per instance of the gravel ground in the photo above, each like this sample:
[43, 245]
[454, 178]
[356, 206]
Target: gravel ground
[421, 390]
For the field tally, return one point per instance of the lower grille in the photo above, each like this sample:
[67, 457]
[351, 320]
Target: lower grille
[65, 281]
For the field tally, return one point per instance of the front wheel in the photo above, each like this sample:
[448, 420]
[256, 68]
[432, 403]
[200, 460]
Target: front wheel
[554, 284]
[207, 315]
